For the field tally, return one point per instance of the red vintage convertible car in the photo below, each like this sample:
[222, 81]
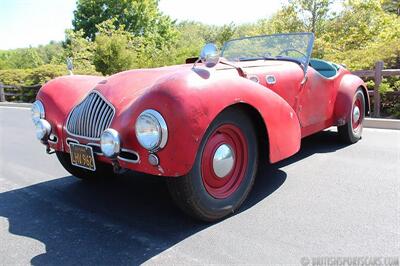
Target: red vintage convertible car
[204, 125]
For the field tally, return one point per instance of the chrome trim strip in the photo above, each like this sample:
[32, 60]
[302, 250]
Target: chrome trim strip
[101, 154]
[128, 160]
[71, 140]
[97, 145]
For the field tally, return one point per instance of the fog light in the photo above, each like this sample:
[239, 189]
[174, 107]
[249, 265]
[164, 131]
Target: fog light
[110, 143]
[43, 129]
[153, 159]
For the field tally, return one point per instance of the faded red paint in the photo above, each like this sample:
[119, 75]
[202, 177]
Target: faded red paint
[189, 100]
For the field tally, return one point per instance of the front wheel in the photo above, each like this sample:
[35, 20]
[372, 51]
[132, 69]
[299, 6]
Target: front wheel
[224, 169]
[351, 132]
[102, 169]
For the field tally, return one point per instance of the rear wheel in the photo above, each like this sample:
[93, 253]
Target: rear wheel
[102, 169]
[351, 132]
[224, 169]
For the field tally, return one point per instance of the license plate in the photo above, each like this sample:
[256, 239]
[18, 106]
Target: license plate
[82, 156]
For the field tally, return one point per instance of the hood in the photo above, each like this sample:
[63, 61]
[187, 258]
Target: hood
[123, 88]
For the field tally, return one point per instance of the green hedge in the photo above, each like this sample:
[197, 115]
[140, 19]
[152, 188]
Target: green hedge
[27, 77]
[35, 76]
[39, 75]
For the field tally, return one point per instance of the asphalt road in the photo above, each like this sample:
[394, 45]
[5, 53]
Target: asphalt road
[328, 200]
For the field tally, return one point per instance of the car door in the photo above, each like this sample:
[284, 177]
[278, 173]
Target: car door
[315, 101]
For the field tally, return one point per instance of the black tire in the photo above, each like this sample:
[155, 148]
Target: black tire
[190, 192]
[102, 170]
[347, 132]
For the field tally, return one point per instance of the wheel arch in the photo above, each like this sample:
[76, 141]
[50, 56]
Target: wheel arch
[349, 84]
[259, 125]
[367, 100]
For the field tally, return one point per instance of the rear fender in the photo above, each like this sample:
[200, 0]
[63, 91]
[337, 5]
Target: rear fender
[344, 100]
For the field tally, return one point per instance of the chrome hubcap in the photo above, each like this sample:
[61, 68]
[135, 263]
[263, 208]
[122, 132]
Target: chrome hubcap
[356, 113]
[223, 160]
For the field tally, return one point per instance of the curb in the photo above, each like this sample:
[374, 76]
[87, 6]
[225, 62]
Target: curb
[382, 123]
[11, 104]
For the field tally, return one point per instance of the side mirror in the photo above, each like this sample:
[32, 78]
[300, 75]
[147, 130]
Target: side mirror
[209, 55]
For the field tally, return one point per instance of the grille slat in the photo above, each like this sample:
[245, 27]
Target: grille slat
[87, 115]
[82, 116]
[91, 117]
[99, 119]
[92, 114]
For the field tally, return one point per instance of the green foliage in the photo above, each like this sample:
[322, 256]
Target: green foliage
[361, 35]
[112, 51]
[31, 57]
[20, 58]
[79, 49]
[391, 6]
[51, 53]
[110, 36]
[139, 17]
[14, 76]
[33, 76]
[314, 13]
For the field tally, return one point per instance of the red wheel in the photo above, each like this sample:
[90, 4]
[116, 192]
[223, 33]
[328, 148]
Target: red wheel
[357, 114]
[224, 161]
[224, 169]
[351, 131]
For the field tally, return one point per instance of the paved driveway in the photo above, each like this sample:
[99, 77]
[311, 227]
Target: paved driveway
[328, 200]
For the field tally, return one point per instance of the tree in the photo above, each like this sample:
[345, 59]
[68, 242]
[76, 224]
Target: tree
[50, 53]
[139, 17]
[362, 34]
[392, 6]
[80, 49]
[24, 58]
[284, 20]
[314, 13]
[112, 51]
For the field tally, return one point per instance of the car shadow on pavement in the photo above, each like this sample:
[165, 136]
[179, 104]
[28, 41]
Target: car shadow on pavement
[123, 221]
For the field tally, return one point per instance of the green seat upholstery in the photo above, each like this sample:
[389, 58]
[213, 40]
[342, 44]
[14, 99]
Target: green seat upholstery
[326, 69]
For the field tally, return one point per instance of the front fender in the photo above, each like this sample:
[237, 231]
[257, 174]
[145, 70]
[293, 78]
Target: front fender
[59, 96]
[345, 94]
[189, 103]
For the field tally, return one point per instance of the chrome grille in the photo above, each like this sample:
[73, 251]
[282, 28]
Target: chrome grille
[91, 117]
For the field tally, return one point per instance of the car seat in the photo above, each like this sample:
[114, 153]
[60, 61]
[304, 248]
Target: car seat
[326, 69]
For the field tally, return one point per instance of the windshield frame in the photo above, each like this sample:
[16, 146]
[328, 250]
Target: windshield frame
[283, 58]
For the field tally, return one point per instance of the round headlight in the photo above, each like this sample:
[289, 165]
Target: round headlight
[37, 111]
[43, 129]
[151, 130]
[110, 143]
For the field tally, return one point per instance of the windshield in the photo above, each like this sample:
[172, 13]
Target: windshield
[290, 46]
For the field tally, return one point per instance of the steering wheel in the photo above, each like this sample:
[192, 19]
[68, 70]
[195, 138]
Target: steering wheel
[286, 51]
[267, 54]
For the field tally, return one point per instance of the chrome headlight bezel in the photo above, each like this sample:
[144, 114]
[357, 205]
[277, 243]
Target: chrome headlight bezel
[110, 143]
[37, 111]
[152, 142]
